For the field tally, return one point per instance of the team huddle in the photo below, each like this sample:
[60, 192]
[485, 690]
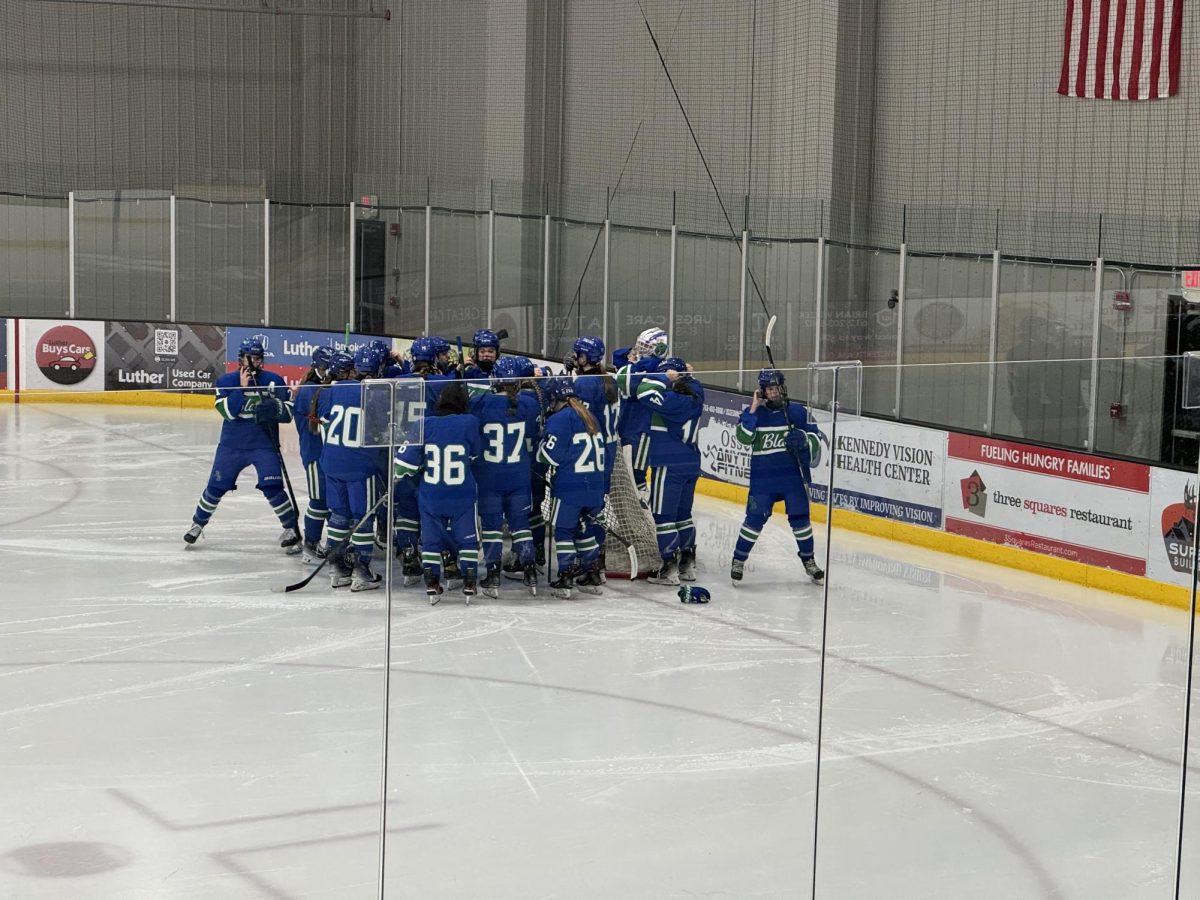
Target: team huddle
[501, 441]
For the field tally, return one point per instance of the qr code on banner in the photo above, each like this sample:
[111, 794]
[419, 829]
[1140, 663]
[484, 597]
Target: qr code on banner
[166, 342]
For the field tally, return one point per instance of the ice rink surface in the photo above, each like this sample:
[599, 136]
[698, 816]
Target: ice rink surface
[171, 728]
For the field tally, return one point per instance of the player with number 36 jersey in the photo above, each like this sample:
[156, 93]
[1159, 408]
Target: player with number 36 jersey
[447, 490]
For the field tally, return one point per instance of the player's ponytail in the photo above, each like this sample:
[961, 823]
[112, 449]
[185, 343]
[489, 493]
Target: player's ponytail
[611, 395]
[589, 421]
[314, 420]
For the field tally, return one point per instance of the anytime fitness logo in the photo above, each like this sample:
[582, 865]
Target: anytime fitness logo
[65, 354]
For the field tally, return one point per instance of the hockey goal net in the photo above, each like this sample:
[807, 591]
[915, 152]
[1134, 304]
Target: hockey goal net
[631, 549]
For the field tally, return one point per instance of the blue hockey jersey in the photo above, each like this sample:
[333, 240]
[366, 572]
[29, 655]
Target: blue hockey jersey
[445, 462]
[674, 422]
[308, 423]
[343, 454]
[765, 431]
[510, 435]
[576, 458]
[236, 405]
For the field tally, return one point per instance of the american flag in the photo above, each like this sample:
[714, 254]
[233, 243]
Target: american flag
[1121, 49]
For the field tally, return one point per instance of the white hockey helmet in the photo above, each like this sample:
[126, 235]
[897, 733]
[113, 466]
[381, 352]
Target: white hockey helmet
[651, 342]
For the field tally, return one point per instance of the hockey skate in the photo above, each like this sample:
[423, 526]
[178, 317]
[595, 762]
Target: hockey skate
[364, 579]
[433, 587]
[410, 566]
[313, 553]
[193, 534]
[687, 564]
[469, 586]
[290, 541]
[736, 569]
[813, 570]
[667, 574]
[511, 566]
[589, 582]
[340, 571]
[450, 569]
[531, 574]
[491, 581]
[561, 587]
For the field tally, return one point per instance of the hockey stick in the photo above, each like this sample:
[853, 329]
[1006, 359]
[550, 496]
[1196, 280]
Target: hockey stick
[332, 551]
[787, 416]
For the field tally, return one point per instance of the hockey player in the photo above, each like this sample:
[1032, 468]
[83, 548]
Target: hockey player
[351, 471]
[485, 353]
[252, 401]
[633, 424]
[675, 401]
[447, 489]
[426, 357]
[509, 418]
[783, 443]
[308, 431]
[394, 365]
[573, 449]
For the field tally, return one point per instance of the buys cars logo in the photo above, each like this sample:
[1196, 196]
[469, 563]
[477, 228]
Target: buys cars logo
[65, 354]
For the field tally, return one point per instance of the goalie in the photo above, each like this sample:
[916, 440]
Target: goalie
[784, 445]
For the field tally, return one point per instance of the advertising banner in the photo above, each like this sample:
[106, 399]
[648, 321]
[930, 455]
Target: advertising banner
[721, 456]
[62, 356]
[3, 354]
[148, 356]
[289, 351]
[884, 469]
[1055, 502]
[1172, 526]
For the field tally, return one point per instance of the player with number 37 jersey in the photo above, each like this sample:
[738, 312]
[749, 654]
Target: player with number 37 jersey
[509, 419]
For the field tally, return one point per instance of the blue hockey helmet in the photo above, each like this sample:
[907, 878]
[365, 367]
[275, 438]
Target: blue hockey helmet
[339, 362]
[591, 347]
[384, 347]
[251, 347]
[768, 377]
[673, 362]
[556, 389]
[440, 344]
[485, 337]
[510, 368]
[321, 357]
[369, 361]
[424, 349]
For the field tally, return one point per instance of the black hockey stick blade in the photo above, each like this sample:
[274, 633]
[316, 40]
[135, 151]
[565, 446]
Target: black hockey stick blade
[303, 583]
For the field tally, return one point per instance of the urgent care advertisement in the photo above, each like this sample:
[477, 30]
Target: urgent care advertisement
[1055, 502]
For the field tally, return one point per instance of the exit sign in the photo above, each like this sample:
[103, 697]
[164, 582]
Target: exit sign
[1191, 279]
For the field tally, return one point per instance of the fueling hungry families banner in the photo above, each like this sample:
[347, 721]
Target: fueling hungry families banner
[1055, 502]
[149, 356]
[289, 351]
[62, 356]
